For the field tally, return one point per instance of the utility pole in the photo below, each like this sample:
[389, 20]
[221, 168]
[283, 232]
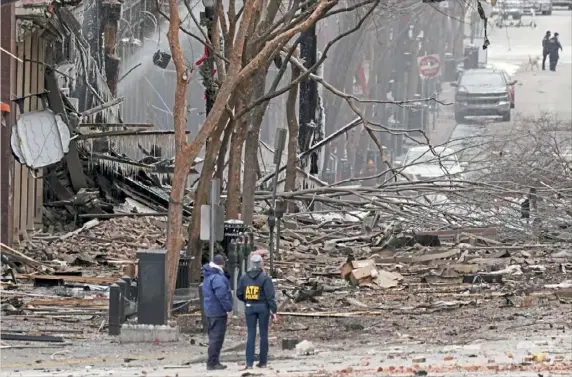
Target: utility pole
[308, 101]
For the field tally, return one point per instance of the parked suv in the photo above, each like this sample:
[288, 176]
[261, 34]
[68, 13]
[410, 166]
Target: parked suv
[483, 92]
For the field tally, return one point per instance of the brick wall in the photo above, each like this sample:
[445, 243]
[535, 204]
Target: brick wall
[7, 35]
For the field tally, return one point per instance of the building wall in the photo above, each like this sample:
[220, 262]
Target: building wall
[28, 184]
[7, 23]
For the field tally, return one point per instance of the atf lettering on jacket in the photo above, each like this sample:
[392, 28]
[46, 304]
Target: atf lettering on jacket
[252, 292]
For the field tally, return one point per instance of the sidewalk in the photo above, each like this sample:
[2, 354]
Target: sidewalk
[445, 123]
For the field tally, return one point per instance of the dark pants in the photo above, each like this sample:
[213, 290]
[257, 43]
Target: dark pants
[544, 56]
[257, 313]
[553, 61]
[217, 330]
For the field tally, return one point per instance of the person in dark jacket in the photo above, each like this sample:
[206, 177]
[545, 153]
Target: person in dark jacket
[217, 297]
[545, 48]
[256, 290]
[525, 209]
[555, 48]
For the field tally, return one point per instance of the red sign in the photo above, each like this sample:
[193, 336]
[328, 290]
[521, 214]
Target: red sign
[429, 66]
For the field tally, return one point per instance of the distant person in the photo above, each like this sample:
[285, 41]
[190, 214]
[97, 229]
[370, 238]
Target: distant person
[217, 297]
[525, 209]
[545, 48]
[555, 48]
[256, 290]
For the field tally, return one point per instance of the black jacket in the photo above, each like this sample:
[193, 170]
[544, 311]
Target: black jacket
[554, 46]
[255, 287]
[546, 44]
[525, 209]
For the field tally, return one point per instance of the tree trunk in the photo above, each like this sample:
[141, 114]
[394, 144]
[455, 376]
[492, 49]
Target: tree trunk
[233, 201]
[182, 161]
[194, 247]
[251, 148]
[290, 183]
[221, 159]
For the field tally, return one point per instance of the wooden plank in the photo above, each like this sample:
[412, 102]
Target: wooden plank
[38, 215]
[31, 208]
[119, 125]
[97, 280]
[455, 232]
[19, 256]
[75, 302]
[434, 256]
[27, 101]
[32, 338]
[17, 197]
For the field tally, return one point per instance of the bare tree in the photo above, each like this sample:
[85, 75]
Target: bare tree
[257, 35]
[183, 151]
[292, 122]
[270, 37]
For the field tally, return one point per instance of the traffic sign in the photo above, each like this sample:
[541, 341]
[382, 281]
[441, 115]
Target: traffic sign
[429, 66]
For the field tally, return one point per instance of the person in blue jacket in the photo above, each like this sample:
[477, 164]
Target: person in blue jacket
[256, 290]
[217, 297]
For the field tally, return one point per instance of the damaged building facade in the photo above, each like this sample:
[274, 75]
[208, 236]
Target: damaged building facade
[59, 102]
[88, 69]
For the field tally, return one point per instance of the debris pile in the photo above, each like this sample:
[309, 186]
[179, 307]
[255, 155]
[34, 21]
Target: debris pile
[423, 279]
[328, 270]
[112, 242]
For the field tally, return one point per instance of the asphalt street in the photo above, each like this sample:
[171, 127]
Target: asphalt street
[537, 92]
[477, 358]
[513, 45]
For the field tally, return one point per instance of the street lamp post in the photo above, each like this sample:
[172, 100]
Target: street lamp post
[207, 69]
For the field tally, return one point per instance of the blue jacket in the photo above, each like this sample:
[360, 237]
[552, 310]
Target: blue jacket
[255, 287]
[216, 291]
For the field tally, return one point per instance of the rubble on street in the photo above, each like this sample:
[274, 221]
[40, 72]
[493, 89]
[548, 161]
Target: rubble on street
[400, 265]
[65, 278]
[414, 289]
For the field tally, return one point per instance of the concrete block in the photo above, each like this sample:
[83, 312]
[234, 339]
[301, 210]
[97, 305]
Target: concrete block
[133, 333]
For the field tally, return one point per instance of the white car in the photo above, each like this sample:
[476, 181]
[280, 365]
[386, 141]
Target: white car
[423, 163]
